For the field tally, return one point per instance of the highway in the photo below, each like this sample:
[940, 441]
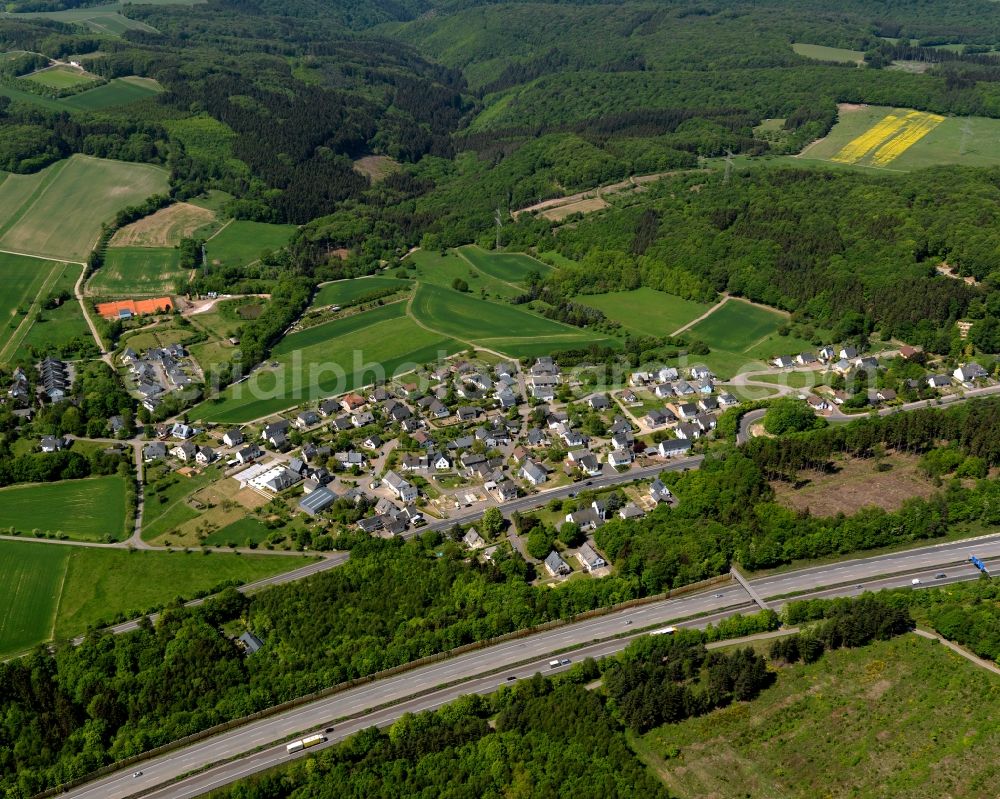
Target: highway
[251, 748]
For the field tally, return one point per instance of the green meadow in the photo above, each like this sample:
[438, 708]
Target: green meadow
[645, 311]
[89, 510]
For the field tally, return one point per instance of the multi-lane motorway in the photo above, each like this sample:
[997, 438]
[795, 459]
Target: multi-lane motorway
[252, 748]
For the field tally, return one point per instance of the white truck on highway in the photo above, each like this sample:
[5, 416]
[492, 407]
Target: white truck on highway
[304, 743]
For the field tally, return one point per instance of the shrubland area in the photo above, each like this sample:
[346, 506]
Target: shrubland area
[812, 174]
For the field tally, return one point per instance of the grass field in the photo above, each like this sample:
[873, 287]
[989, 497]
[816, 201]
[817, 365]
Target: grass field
[239, 533]
[61, 77]
[821, 53]
[344, 292]
[55, 327]
[241, 243]
[135, 271]
[443, 270]
[891, 138]
[93, 189]
[329, 359]
[87, 510]
[905, 717]
[117, 92]
[743, 337]
[512, 267]
[645, 311]
[165, 228]
[491, 324]
[23, 279]
[31, 580]
[50, 590]
[98, 19]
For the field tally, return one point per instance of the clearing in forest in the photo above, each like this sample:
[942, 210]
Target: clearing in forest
[905, 717]
[165, 228]
[902, 139]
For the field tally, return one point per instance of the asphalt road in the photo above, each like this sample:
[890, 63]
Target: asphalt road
[521, 504]
[251, 747]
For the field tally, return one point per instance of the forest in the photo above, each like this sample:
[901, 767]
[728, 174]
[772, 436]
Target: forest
[553, 734]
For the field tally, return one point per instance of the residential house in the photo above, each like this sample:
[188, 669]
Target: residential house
[185, 451]
[534, 473]
[664, 390]
[708, 404]
[783, 361]
[673, 447]
[970, 372]
[505, 491]
[631, 511]
[619, 458]
[658, 492]
[373, 442]
[688, 431]
[53, 443]
[655, 418]
[682, 388]
[667, 374]
[473, 540]
[403, 490]
[248, 454]
[181, 431]
[154, 451]
[306, 419]
[274, 429]
[362, 418]
[281, 479]
[827, 354]
[589, 558]
[885, 395]
[328, 408]
[468, 413]
[848, 353]
[817, 403]
[233, 437]
[700, 373]
[728, 401]
[587, 519]
[938, 381]
[205, 456]
[630, 398]
[555, 565]
[687, 410]
[351, 402]
[805, 359]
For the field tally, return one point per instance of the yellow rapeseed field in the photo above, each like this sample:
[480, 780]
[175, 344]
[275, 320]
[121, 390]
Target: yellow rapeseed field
[891, 136]
[914, 132]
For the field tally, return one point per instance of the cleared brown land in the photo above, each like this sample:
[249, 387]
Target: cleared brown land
[857, 485]
[580, 207]
[165, 228]
[375, 167]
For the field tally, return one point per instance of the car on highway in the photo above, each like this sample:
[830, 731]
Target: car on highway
[628, 622]
[915, 581]
[717, 596]
[554, 664]
[564, 662]
[511, 678]
[940, 576]
[136, 774]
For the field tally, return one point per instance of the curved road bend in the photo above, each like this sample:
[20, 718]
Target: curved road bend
[837, 579]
